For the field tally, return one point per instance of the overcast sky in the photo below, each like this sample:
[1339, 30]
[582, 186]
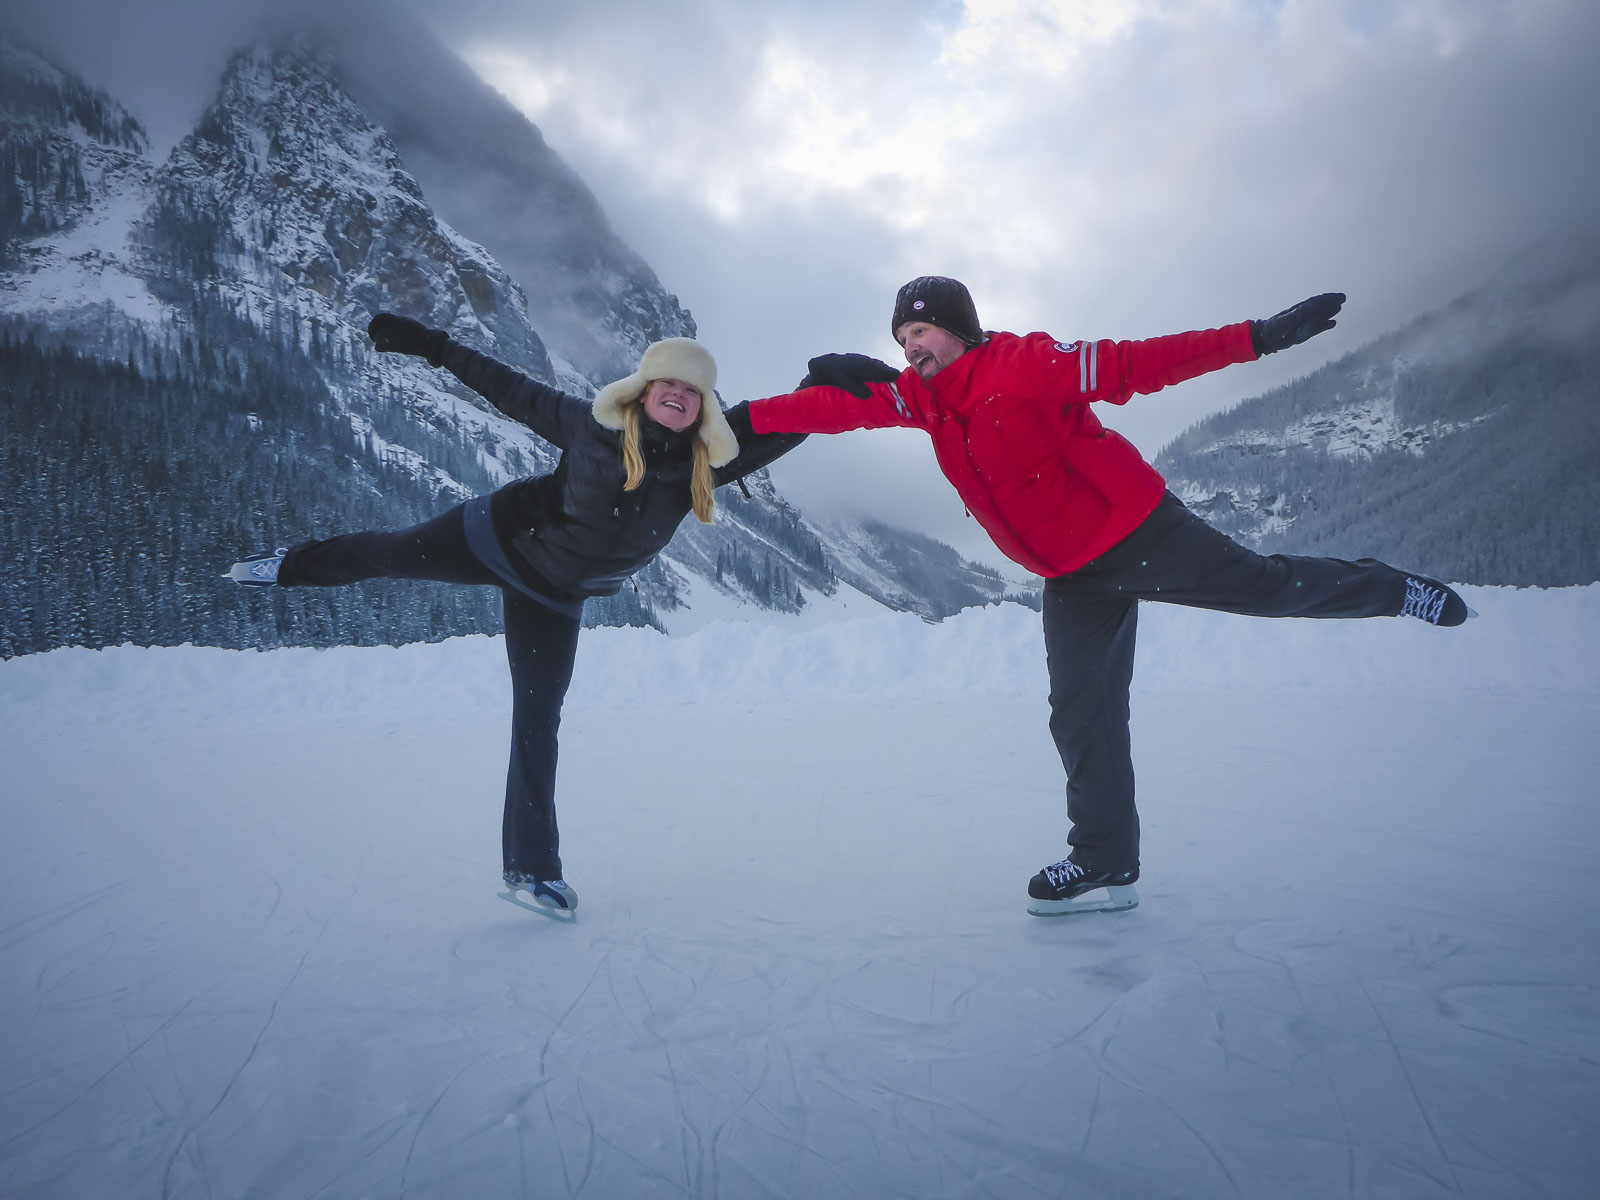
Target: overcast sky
[1093, 168]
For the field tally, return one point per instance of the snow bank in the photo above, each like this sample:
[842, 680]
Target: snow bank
[1525, 640]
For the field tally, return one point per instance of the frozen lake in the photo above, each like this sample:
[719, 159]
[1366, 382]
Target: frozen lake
[253, 948]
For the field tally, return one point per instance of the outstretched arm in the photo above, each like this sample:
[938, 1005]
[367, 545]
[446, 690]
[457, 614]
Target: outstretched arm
[1117, 371]
[553, 415]
[840, 392]
[756, 450]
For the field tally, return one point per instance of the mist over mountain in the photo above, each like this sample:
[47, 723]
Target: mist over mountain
[1463, 444]
[485, 167]
[186, 375]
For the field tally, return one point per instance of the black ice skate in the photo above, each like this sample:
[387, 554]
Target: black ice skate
[1065, 887]
[553, 897]
[259, 570]
[1433, 602]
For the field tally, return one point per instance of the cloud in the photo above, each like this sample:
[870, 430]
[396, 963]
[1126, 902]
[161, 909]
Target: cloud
[1093, 169]
[162, 59]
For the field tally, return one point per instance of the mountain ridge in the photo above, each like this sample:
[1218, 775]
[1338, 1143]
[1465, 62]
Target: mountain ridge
[253, 255]
[1460, 444]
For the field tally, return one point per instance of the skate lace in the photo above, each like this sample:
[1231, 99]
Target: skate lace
[1063, 872]
[1423, 601]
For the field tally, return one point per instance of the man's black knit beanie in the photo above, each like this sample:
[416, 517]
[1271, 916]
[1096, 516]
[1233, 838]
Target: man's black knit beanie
[938, 301]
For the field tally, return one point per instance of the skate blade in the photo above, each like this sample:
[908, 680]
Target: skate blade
[566, 916]
[1107, 899]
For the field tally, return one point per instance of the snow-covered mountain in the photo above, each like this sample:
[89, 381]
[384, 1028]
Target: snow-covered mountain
[188, 375]
[486, 168]
[74, 174]
[1462, 444]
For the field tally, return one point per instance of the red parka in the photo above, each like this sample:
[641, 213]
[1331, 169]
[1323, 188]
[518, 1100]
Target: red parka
[1013, 431]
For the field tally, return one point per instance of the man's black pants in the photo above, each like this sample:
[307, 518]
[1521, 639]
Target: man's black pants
[1091, 618]
[541, 646]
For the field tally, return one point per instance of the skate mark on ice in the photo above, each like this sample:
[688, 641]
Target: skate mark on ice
[416, 1134]
[194, 1127]
[1558, 1019]
[1411, 1085]
[123, 1059]
[62, 912]
[1300, 1026]
[551, 1112]
[390, 1130]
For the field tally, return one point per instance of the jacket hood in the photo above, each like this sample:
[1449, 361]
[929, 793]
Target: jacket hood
[674, 358]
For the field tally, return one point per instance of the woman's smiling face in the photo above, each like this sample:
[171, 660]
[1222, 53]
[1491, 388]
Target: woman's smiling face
[672, 402]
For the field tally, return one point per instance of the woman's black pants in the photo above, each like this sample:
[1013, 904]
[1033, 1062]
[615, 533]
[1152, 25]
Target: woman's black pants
[541, 646]
[1091, 618]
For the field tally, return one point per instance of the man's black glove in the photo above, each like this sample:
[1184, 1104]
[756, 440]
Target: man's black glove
[402, 335]
[1294, 325]
[852, 372]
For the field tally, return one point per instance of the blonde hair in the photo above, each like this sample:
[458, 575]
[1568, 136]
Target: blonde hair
[701, 481]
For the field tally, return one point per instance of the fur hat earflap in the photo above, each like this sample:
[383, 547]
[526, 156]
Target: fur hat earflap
[674, 358]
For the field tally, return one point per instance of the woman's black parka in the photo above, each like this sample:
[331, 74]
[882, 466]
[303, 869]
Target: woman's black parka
[575, 532]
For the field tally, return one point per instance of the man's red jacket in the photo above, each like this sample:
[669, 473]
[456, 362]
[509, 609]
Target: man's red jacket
[1013, 431]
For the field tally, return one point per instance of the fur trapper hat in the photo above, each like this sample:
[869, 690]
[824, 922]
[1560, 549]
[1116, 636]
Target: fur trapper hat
[674, 358]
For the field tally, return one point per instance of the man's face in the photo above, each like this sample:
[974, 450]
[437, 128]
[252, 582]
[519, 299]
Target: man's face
[929, 349]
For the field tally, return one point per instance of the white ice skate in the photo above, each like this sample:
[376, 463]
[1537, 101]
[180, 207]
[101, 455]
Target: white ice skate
[259, 570]
[547, 897]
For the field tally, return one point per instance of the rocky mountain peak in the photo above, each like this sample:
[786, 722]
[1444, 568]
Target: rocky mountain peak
[62, 145]
[292, 176]
[488, 170]
[35, 90]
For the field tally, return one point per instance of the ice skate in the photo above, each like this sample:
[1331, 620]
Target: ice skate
[259, 570]
[549, 897]
[1065, 887]
[1431, 601]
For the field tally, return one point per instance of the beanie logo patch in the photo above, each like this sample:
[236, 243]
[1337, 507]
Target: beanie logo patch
[918, 305]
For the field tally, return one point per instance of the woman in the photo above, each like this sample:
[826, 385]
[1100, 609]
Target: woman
[651, 448]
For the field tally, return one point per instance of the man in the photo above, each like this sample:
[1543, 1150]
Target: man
[1070, 500]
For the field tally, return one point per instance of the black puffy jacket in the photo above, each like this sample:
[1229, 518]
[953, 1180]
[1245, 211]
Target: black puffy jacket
[576, 532]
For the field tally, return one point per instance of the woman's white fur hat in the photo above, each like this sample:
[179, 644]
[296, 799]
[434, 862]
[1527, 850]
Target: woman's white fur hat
[674, 358]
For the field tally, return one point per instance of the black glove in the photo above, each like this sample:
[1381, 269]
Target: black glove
[852, 372]
[1294, 325]
[402, 335]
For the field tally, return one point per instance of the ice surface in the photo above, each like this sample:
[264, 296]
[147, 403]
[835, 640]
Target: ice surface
[252, 944]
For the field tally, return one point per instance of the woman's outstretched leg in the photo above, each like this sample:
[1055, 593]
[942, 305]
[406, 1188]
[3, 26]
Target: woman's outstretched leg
[435, 549]
[541, 646]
